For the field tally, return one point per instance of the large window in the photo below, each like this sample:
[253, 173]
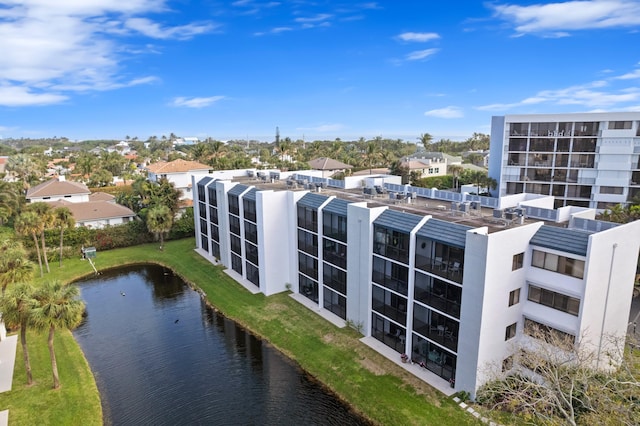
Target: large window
[620, 125]
[334, 226]
[249, 209]
[554, 300]
[308, 265]
[439, 294]
[213, 197]
[251, 232]
[547, 333]
[308, 242]
[556, 263]
[390, 275]
[308, 287]
[234, 206]
[308, 218]
[334, 278]
[389, 304]
[234, 224]
[391, 243]
[334, 252]
[335, 303]
[251, 253]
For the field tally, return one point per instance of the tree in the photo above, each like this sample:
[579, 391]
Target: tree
[455, 170]
[25, 167]
[554, 379]
[28, 223]
[10, 198]
[63, 219]
[57, 306]
[17, 306]
[45, 215]
[14, 265]
[425, 139]
[100, 178]
[159, 221]
[372, 154]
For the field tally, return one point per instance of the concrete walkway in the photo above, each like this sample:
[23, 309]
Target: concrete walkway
[422, 373]
[7, 362]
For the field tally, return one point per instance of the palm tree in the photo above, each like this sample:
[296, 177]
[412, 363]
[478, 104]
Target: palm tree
[14, 264]
[425, 139]
[45, 214]
[371, 154]
[455, 170]
[17, 306]
[159, 221]
[63, 219]
[9, 200]
[57, 306]
[28, 223]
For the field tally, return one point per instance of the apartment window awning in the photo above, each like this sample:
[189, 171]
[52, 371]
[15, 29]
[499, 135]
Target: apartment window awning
[398, 221]
[251, 195]
[204, 181]
[337, 206]
[238, 189]
[451, 234]
[562, 239]
[313, 201]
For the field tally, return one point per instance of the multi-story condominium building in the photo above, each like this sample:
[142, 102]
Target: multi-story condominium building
[452, 289]
[589, 159]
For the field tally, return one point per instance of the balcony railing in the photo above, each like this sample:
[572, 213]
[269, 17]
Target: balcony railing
[438, 333]
[337, 259]
[451, 269]
[439, 302]
[391, 283]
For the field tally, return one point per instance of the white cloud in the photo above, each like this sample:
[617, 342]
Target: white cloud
[556, 19]
[418, 37]
[447, 112]
[53, 48]
[280, 30]
[152, 29]
[17, 96]
[195, 102]
[420, 54]
[313, 19]
[629, 76]
[590, 95]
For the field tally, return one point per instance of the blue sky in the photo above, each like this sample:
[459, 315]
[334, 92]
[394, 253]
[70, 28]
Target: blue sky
[89, 69]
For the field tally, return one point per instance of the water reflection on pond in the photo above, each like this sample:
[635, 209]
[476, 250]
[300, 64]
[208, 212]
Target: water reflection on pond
[161, 357]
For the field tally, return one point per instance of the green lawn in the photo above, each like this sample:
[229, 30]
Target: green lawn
[376, 387]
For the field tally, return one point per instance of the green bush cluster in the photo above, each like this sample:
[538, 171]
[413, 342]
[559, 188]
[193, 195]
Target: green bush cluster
[129, 234]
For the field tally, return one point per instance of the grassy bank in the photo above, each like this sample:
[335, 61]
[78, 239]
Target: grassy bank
[376, 387]
[76, 399]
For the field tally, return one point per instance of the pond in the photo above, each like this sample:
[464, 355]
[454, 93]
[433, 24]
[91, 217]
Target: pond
[160, 356]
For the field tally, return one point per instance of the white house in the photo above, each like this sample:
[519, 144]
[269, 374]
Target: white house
[91, 210]
[452, 280]
[58, 189]
[179, 172]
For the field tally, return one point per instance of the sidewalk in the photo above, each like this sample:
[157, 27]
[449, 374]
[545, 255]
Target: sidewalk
[7, 362]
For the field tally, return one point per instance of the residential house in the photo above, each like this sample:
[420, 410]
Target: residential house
[328, 166]
[179, 172]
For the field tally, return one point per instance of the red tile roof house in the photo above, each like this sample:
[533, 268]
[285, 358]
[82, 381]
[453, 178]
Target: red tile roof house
[90, 210]
[178, 172]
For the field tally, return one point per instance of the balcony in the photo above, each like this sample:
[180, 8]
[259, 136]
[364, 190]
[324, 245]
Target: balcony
[451, 269]
[439, 302]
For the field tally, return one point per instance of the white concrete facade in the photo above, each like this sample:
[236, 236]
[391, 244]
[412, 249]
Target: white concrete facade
[453, 297]
[586, 159]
